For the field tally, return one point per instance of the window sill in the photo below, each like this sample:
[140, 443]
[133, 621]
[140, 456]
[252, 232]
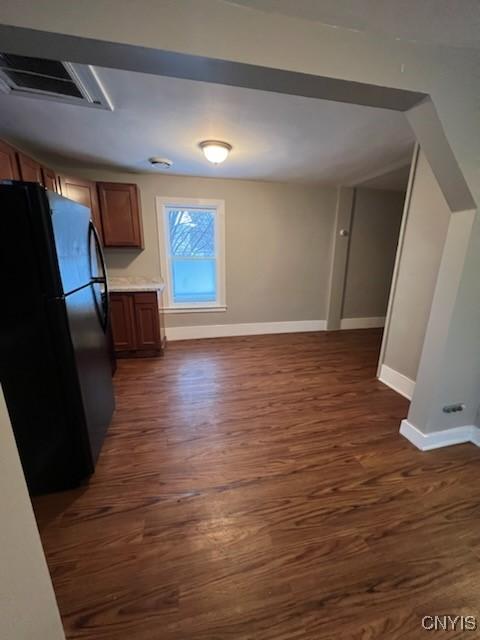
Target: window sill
[195, 309]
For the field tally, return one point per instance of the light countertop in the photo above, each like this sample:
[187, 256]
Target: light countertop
[135, 283]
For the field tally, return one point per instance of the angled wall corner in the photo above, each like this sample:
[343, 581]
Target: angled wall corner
[449, 369]
[426, 220]
[428, 129]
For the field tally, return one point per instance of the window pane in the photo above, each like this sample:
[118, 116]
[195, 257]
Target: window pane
[194, 280]
[191, 232]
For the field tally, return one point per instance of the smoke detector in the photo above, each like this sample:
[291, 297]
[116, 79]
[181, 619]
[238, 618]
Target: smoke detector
[160, 162]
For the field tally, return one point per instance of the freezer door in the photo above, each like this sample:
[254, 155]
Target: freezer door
[71, 222]
[93, 366]
[28, 257]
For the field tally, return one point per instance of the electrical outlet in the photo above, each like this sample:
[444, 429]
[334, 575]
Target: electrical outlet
[453, 408]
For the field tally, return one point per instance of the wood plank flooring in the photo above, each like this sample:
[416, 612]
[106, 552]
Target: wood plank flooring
[257, 488]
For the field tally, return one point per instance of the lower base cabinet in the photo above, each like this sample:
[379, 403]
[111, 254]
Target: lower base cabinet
[137, 323]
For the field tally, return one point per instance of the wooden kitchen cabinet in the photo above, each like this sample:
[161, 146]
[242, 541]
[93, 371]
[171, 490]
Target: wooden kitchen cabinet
[121, 214]
[137, 323]
[84, 192]
[50, 179]
[122, 321]
[30, 169]
[8, 162]
[114, 206]
[147, 320]
[15, 165]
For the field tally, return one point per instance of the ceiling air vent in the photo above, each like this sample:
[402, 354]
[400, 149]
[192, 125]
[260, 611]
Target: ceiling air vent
[52, 80]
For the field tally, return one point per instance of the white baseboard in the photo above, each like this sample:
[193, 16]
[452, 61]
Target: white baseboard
[438, 439]
[243, 329]
[362, 323]
[397, 381]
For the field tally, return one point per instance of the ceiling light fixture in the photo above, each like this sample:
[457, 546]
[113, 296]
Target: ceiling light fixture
[215, 151]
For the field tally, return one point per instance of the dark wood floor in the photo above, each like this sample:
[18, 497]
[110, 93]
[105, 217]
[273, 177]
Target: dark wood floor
[257, 488]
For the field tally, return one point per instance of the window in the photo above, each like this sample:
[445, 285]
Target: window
[192, 253]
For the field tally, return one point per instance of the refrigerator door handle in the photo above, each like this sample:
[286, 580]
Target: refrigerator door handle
[101, 279]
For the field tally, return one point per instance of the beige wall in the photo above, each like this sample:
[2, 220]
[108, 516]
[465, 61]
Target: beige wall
[28, 609]
[278, 243]
[425, 235]
[338, 268]
[377, 215]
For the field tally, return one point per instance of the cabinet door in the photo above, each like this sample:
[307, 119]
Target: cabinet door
[8, 162]
[122, 321]
[30, 169]
[49, 179]
[84, 192]
[121, 215]
[147, 321]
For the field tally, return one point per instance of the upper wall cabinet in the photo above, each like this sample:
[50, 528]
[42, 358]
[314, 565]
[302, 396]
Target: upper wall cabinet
[50, 181]
[15, 165]
[114, 206]
[30, 169]
[8, 162]
[121, 214]
[84, 192]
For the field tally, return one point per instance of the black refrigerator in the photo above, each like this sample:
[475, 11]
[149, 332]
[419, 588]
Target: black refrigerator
[55, 367]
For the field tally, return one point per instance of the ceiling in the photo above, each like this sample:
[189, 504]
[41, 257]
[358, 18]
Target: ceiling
[438, 22]
[274, 136]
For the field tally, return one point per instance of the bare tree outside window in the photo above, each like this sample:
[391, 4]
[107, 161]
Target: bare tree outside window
[191, 234]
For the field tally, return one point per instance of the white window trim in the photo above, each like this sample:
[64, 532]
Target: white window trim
[187, 307]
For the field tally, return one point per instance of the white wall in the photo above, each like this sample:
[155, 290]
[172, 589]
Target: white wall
[28, 608]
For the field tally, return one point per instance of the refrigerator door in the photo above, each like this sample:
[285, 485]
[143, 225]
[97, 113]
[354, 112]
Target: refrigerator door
[70, 223]
[72, 230]
[37, 361]
[45, 406]
[99, 277]
[92, 360]
[54, 363]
